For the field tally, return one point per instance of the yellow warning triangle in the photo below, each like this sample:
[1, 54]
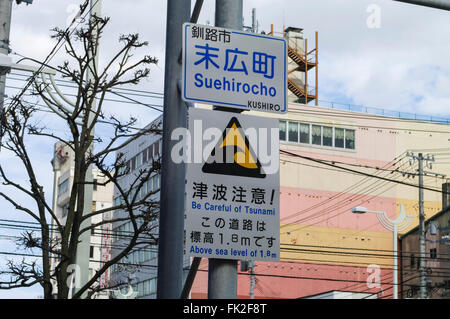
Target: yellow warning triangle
[242, 162]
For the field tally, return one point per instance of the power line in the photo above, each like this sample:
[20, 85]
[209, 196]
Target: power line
[343, 192]
[130, 100]
[127, 91]
[350, 197]
[325, 250]
[358, 172]
[55, 49]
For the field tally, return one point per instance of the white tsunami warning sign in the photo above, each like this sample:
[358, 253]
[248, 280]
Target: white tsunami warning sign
[234, 69]
[232, 194]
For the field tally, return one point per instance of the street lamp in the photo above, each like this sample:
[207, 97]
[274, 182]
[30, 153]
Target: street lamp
[401, 223]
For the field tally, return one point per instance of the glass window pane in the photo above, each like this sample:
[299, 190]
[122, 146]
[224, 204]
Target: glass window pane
[282, 130]
[131, 258]
[350, 139]
[293, 132]
[304, 133]
[64, 186]
[139, 160]
[155, 182]
[142, 255]
[144, 156]
[150, 153]
[153, 285]
[141, 288]
[338, 137]
[147, 253]
[317, 135]
[150, 185]
[143, 190]
[156, 149]
[327, 135]
[133, 193]
[66, 210]
[133, 163]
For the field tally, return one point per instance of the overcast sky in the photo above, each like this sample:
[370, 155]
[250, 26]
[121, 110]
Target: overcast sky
[377, 53]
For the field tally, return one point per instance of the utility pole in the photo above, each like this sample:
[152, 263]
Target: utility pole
[5, 27]
[251, 265]
[222, 273]
[173, 176]
[254, 21]
[422, 231]
[83, 248]
[423, 278]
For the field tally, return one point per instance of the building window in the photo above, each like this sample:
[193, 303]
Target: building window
[140, 289]
[150, 185]
[94, 186]
[65, 210]
[293, 132]
[433, 253]
[144, 156]
[156, 147]
[304, 133]
[412, 261]
[339, 137]
[316, 135]
[139, 160]
[63, 187]
[91, 252]
[142, 255]
[91, 273]
[153, 286]
[283, 130]
[144, 190]
[146, 253]
[350, 139]
[155, 182]
[133, 163]
[327, 136]
[146, 287]
[150, 153]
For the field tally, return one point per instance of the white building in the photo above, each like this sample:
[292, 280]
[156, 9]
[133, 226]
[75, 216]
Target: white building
[140, 267]
[100, 243]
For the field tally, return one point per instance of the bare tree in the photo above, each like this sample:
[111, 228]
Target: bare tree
[106, 155]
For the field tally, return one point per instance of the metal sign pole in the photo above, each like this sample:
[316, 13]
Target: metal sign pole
[222, 273]
[171, 221]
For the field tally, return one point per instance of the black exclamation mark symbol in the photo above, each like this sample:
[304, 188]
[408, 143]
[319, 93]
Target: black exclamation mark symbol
[271, 197]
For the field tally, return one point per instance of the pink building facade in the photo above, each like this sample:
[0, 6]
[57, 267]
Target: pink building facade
[330, 162]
